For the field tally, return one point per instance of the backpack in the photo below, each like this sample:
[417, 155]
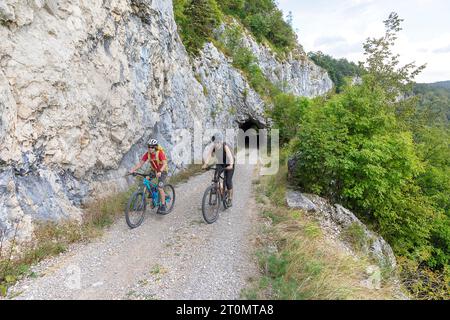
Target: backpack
[157, 161]
[224, 153]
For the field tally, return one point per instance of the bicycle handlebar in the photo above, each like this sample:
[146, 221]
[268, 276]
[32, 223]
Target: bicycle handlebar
[141, 174]
[214, 167]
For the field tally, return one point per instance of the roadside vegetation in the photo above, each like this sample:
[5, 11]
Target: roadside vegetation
[296, 259]
[51, 239]
[385, 158]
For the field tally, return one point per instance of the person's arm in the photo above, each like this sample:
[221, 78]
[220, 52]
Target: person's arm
[164, 166]
[206, 159]
[229, 156]
[137, 167]
[140, 164]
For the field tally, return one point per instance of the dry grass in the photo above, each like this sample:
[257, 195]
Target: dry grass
[306, 265]
[320, 268]
[184, 175]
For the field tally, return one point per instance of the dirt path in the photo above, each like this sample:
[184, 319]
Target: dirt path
[169, 257]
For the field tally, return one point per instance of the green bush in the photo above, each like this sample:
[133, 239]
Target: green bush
[286, 113]
[352, 150]
[196, 20]
[264, 20]
[243, 59]
[424, 283]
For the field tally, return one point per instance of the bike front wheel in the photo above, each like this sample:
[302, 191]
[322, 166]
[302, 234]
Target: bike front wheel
[211, 204]
[135, 210]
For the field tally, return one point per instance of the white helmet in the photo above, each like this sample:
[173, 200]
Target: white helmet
[152, 143]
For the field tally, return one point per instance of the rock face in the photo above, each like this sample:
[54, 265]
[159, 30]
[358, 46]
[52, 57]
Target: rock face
[338, 221]
[295, 73]
[84, 84]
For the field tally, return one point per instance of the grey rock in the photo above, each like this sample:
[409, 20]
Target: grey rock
[297, 200]
[292, 166]
[382, 252]
[343, 216]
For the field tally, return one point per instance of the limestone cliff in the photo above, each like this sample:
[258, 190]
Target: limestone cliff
[84, 84]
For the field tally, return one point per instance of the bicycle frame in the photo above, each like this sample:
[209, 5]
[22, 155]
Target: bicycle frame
[219, 179]
[152, 188]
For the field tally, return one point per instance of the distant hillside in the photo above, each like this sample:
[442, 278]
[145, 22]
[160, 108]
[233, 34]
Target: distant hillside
[441, 84]
[436, 98]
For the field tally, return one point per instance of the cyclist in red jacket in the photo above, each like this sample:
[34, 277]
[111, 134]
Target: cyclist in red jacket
[158, 162]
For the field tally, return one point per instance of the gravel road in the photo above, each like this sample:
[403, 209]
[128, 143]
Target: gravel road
[176, 256]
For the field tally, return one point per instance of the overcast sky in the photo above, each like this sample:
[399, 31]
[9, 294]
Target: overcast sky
[340, 27]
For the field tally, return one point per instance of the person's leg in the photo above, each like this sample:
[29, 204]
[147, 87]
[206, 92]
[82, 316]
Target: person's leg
[162, 194]
[219, 170]
[229, 182]
[161, 183]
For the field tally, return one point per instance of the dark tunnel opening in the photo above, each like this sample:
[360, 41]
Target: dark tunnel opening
[250, 124]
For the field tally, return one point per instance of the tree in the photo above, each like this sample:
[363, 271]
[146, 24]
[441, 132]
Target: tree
[290, 19]
[286, 112]
[383, 65]
[205, 16]
[264, 20]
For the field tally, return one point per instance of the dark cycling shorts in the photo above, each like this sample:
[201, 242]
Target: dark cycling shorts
[228, 176]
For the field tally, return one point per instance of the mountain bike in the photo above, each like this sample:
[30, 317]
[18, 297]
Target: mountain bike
[214, 195]
[148, 191]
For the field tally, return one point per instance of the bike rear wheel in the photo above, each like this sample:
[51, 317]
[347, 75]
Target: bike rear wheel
[135, 210]
[211, 204]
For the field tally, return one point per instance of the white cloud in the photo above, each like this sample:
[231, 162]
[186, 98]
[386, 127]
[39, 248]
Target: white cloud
[442, 50]
[329, 40]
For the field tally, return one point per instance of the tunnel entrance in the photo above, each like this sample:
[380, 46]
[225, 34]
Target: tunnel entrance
[250, 128]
